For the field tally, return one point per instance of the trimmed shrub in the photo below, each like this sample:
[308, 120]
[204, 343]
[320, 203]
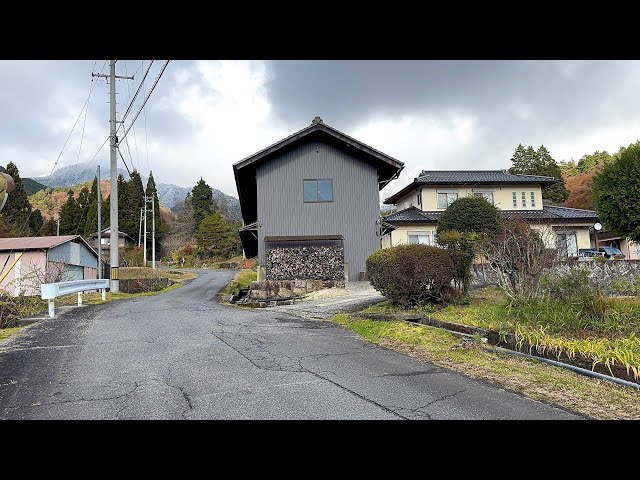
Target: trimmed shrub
[470, 215]
[410, 275]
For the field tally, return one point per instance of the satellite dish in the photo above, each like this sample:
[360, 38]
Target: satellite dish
[598, 226]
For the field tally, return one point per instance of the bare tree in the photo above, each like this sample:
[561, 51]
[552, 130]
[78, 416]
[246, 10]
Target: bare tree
[519, 256]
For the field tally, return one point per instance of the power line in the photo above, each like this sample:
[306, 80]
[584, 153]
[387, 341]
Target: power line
[135, 96]
[147, 98]
[146, 141]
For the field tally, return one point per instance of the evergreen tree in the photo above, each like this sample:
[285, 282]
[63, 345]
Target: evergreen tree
[152, 193]
[617, 190]
[17, 209]
[69, 215]
[530, 162]
[128, 221]
[136, 190]
[91, 223]
[201, 200]
[518, 159]
[49, 228]
[36, 222]
[82, 202]
[557, 193]
[216, 236]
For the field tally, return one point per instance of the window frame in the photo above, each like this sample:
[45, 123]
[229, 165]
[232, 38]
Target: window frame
[533, 199]
[447, 193]
[514, 197]
[483, 193]
[564, 252]
[317, 190]
[524, 199]
[417, 233]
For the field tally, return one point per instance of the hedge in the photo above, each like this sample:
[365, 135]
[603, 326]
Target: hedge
[410, 275]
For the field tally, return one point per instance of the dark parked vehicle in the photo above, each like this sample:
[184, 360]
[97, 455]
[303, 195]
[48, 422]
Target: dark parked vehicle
[612, 252]
[588, 252]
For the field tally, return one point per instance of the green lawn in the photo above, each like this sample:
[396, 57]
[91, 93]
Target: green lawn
[531, 378]
[609, 338]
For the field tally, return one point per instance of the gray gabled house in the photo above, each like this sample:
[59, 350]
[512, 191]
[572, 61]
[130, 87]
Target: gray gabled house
[316, 188]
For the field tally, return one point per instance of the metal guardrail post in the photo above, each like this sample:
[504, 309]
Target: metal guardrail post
[50, 291]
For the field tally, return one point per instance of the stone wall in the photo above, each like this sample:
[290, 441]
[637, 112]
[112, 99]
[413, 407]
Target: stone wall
[305, 263]
[607, 275]
[601, 273]
[289, 288]
[144, 284]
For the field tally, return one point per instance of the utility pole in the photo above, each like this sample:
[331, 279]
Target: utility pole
[99, 227]
[114, 284]
[153, 235]
[140, 229]
[145, 229]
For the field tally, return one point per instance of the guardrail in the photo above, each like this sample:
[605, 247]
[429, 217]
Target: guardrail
[49, 291]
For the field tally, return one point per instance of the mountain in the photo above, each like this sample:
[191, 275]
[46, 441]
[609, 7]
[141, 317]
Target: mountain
[31, 186]
[169, 195]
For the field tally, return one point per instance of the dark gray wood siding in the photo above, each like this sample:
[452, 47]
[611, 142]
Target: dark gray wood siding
[352, 214]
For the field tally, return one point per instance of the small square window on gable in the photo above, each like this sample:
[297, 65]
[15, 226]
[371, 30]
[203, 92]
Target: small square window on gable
[317, 190]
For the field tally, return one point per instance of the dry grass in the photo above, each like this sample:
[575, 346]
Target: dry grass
[533, 379]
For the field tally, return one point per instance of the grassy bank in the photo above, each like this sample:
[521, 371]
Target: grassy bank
[240, 281]
[602, 332]
[533, 379]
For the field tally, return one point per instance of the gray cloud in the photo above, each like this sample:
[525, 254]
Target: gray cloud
[561, 104]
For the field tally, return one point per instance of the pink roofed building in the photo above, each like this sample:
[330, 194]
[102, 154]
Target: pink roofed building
[28, 262]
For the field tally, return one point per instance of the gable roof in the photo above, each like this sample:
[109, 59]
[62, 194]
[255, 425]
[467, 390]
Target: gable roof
[108, 230]
[468, 177]
[548, 213]
[40, 243]
[244, 170]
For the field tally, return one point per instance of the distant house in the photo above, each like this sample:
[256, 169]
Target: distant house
[421, 203]
[318, 188]
[44, 260]
[124, 240]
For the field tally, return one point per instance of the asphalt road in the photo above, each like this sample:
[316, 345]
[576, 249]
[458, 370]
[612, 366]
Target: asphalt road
[181, 355]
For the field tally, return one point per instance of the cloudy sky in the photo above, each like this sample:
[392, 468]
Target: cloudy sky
[205, 115]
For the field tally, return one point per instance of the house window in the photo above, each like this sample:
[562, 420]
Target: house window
[515, 200]
[488, 196]
[524, 199]
[421, 238]
[446, 198]
[320, 190]
[533, 199]
[419, 198]
[567, 244]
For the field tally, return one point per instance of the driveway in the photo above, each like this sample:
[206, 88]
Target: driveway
[181, 355]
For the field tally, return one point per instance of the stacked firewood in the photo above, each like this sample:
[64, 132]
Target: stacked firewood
[314, 263]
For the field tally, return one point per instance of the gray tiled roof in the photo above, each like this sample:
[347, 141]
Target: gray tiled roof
[467, 177]
[479, 176]
[414, 215]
